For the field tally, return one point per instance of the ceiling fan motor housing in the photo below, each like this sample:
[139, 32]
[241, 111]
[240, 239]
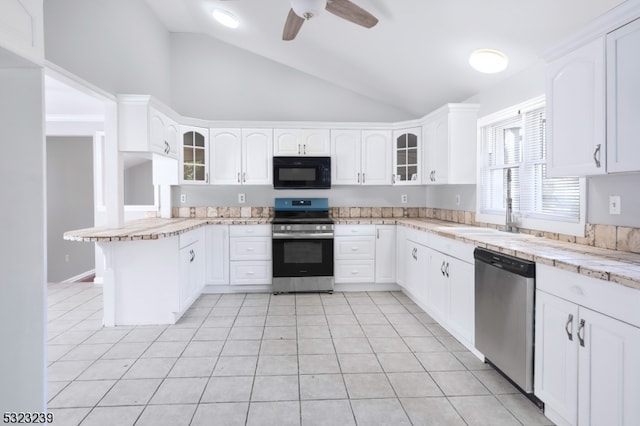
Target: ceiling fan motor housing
[308, 8]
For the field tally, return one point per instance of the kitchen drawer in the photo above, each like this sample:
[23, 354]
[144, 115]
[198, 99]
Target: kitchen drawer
[250, 230]
[250, 248]
[190, 237]
[250, 272]
[355, 247]
[354, 271]
[352, 230]
[453, 248]
[606, 297]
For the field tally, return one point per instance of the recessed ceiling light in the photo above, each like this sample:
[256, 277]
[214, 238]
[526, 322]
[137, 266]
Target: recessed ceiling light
[488, 61]
[226, 18]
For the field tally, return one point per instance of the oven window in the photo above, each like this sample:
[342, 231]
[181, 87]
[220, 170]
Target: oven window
[296, 174]
[303, 252]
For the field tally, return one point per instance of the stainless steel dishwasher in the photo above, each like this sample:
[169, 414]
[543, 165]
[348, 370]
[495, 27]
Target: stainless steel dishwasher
[504, 314]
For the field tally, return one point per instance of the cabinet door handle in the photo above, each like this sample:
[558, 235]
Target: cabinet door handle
[362, 177]
[304, 149]
[193, 256]
[442, 268]
[206, 177]
[566, 327]
[377, 233]
[299, 152]
[244, 177]
[393, 179]
[596, 156]
[581, 329]
[238, 177]
[358, 177]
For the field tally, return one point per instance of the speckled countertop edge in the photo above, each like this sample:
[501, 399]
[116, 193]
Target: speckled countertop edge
[610, 265]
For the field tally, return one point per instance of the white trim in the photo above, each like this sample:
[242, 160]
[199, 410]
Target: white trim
[79, 277]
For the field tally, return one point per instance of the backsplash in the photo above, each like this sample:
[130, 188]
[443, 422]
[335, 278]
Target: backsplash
[612, 237]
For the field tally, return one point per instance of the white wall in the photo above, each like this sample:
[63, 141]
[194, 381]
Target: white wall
[69, 205]
[22, 241]
[118, 45]
[214, 80]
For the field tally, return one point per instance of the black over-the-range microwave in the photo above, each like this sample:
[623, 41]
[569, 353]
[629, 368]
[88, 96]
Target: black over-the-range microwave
[302, 172]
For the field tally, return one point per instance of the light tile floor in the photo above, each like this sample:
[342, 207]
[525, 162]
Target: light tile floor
[257, 359]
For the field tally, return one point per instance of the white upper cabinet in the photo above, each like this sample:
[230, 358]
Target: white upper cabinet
[449, 145]
[21, 28]
[301, 142]
[361, 157]
[194, 155]
[241, 156]
[575, 105]
[142, 127]
[623, 98]
[406, 156]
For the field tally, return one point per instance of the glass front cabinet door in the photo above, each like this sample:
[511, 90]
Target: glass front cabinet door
[406, 155]
[194, 155]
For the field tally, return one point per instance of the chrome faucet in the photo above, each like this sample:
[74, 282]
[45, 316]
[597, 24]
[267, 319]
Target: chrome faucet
[510, 224]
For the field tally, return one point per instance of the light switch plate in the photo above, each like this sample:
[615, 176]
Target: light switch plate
[614, 204]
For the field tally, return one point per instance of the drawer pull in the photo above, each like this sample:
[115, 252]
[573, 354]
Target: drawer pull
[354, 249]
[250, 249]
[354, 272]
[581, 329]
[250, 273]
[566, 327]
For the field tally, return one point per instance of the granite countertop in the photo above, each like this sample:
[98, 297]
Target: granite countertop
[610, 265]
[154, 228]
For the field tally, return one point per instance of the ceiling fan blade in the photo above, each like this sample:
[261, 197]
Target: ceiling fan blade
[351, 12]
[292, 26]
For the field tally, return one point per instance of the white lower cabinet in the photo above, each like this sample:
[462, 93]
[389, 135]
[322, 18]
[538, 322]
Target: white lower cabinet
[217, 263]
[385, 255]
[354, 253]
[250, 254]
[416, 264]
[192, 267]
[586, 362]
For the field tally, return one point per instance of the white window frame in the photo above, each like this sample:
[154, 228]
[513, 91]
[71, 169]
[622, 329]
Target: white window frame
[527, 221]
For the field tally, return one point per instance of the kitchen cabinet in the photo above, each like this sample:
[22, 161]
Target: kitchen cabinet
[192, 267]
[587, 344]
[241, 156]
[385, 255]
[406, 156]
[361, 157]
[354, 253]
[575, 102]
[22, 29]
[250, 254]
[416, 263]
[623, 98]
[142, 127]
[194, 155]
[217, 254]
[449, 145]
[301, 142]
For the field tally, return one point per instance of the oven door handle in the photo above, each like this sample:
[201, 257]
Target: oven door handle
[310, 236]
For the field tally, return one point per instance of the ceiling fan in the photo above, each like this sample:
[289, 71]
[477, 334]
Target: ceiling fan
[302, 10]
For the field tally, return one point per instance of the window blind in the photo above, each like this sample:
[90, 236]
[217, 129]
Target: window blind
[519, 143]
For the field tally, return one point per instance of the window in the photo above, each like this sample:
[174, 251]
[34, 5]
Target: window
[513, 142]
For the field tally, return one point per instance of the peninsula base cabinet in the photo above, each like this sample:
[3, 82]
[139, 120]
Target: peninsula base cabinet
[587, 349]
[192, 267]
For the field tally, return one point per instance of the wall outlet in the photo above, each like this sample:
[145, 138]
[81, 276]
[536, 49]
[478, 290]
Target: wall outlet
[183, 198]
[457, 199]
[614, 204]
[241, 198]
[404, 199]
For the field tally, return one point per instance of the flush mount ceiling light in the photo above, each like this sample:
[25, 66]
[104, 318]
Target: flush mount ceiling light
[226, 18]
[488, 61]
[307, 9]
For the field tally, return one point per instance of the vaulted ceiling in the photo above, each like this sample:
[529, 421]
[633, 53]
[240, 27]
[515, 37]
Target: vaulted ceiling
[415, 58]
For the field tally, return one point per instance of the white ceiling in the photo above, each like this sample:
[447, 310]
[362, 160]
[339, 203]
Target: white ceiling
[415, 59]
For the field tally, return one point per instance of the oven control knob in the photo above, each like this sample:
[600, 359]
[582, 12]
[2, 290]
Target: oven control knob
[282, 227]
[324, 227]
[288, 227]
[317, 227]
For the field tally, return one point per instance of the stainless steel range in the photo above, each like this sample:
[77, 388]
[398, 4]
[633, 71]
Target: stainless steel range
[302, 238]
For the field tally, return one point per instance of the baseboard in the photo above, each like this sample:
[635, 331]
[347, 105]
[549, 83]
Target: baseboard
[79, 277]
